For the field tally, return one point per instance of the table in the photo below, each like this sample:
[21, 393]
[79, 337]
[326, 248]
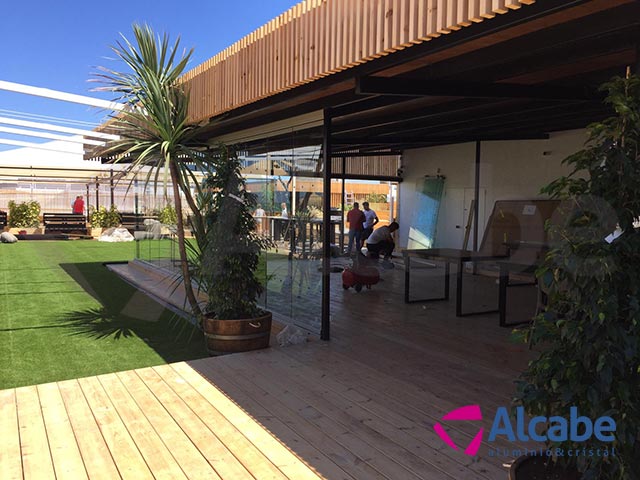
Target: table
[448, 255]
[506, 268]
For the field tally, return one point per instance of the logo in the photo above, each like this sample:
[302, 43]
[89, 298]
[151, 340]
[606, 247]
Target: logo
[468, 413]
[556, 429]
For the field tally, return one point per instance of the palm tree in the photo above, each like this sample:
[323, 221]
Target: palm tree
[153, 128]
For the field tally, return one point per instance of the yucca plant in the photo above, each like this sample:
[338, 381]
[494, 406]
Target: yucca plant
[153, 128]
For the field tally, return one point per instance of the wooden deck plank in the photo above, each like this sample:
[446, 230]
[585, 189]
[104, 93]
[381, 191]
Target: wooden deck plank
[95, 453]
[436, 376]
[390, 458]
[193, 464]
[320, 431]
[247, 453]
[363, 454]
[305, 438]
[372, 411]
[279, 454]
[125, 453]
[382, 399]
[487, 383]
[210, 446]
[10, 459]
[67, 460]
[155, 453]
[34, 446]
[418, 402]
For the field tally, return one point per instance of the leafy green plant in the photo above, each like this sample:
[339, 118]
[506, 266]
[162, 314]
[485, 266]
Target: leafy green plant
[231, 253]
[168, 215]
[24, 215]
[376, 198]
[103, 218]
[589, 333]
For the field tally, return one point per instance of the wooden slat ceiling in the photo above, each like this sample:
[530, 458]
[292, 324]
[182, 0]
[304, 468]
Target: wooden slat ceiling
[318, 38]
[551, 45]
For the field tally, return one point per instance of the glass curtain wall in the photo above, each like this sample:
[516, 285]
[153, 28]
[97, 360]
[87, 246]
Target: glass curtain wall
[287, 182]
[288, 185]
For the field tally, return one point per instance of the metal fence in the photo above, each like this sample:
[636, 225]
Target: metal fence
[59, 197]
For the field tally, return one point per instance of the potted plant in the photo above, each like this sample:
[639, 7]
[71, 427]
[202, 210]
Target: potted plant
[24, 216]
[589, 331]
[229, 257]
[102, 218]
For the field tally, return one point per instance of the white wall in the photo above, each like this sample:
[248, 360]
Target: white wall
[509, 170]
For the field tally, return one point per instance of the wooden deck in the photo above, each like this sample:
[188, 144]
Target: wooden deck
[360, 407]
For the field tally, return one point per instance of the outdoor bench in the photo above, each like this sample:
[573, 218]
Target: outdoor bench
[64, 223]
[134, 222]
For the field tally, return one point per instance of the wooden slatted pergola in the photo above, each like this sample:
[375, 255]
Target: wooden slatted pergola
[379, 77]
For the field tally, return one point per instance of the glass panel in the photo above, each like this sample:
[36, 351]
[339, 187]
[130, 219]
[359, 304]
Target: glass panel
[288, 186]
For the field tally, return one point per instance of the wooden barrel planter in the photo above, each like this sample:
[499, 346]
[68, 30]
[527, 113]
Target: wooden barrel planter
[233, 336]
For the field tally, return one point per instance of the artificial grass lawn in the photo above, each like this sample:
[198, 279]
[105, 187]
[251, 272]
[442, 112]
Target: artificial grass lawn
[64, 315]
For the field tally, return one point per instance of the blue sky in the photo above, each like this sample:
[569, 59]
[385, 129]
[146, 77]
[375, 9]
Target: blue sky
[58, 44]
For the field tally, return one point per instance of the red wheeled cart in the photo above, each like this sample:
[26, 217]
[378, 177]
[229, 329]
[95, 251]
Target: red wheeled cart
[357, 277]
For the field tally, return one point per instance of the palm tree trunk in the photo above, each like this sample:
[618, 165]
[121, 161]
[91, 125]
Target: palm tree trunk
[186, 275]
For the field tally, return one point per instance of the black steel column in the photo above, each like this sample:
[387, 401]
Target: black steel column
[88, 202]
[111, 185]
[342, 204]
[135, 196]
[326, 227]
[476, 196]
[97, 194]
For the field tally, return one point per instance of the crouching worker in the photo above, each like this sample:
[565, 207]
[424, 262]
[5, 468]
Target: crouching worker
[381, 241]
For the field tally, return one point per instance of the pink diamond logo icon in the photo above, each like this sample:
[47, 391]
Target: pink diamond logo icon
[466, 413]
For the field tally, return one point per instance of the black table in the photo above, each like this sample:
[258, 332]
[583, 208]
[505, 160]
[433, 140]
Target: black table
[506, 268]
[448, 256]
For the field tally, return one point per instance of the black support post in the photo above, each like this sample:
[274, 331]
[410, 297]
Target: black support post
[476, 196]
[326, 227]
[342, 204]
[97, 194]
[111, 186]
[135, 196]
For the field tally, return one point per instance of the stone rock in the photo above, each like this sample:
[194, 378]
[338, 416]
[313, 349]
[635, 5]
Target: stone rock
[116, 235]
[7, 237]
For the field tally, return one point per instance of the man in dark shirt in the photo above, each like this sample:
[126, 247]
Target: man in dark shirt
[78, 205]
[355, 218]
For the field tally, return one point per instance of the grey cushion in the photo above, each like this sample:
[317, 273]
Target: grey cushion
[6, 237]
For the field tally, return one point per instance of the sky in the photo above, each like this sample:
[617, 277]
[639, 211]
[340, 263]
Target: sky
[59, 44]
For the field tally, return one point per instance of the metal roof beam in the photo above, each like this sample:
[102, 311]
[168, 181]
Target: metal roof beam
[58, 95]
[51, 136]
[407, 87]
[57, 128]
[399, 140]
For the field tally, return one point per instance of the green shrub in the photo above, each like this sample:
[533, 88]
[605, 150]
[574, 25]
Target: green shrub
[24, 215]
[168, 216]
[376, 198]
[588, 336]
[103, 218]
[231, 250]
